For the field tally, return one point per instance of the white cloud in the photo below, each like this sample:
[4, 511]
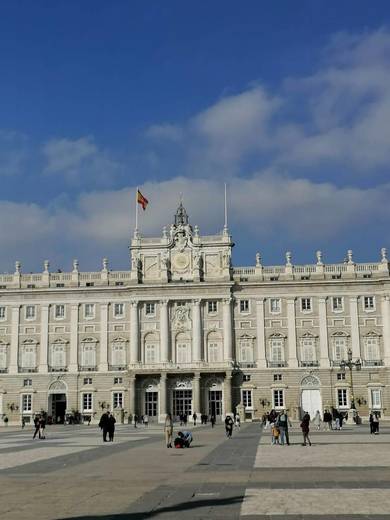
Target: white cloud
[165, 131]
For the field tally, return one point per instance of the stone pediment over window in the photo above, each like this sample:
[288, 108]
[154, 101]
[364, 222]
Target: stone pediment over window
[309, 335]
[340, 333]
[372, 334]
[277, 335]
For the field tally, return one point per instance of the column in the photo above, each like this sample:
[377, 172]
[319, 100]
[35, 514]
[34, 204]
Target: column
[196, 331]
[261, 358]
[227, 394]
[132, 401]
[164, 331]
[13, 365]
[163, 397]
[386, 328]
[103, 358]
[227, 330]
[196, 393]
[74, 337]
[292, 334]
[44, 346]
[355, 336]
[324, 350]
[134, 332]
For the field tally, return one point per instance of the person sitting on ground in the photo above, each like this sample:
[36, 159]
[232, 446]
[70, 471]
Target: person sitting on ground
[183, 439]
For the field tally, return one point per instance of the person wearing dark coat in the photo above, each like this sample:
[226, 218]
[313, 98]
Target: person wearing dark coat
[229, 426]
[305, 426]
[111, 427]
[36, 426]
[104, 424]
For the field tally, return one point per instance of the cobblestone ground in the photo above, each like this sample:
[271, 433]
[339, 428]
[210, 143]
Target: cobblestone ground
[73, 474]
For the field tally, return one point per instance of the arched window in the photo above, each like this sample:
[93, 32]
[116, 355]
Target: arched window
[372, 347]
[246, 349]
[183, 349]
[3, 356]
[88, 353]
[29, 354]
[214, 348]
[118, 353]
[58, 354]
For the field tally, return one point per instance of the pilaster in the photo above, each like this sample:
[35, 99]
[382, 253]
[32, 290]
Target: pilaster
[44, 345]
[227, 330]
[74, 333]
[355, 335]
[324, 350]
[103, 359]
[196, 331]
[292, 334]
[164, 331]
[261, 359]
[196, 394]
[134, 332]
[227, 394]
[386, 328]
[14, 353]
[163, 397]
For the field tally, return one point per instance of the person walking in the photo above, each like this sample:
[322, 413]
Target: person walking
[135, 419]
[146, 421]
[212, 420]
[238, 421]
[194, 417]
[317, 420]
[283, 422]
[104, 424]
[375, 422]
[111, 427]
[328, 420]
[42, 426]
[168, 430]
[305, 426]
[229, 426]
[36, 426]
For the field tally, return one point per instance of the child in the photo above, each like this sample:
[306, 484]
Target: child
[274, 434]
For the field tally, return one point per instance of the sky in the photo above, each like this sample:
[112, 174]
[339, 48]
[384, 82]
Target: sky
[286, 102]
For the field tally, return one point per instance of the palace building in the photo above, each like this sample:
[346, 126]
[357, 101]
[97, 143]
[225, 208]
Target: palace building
[184, 331]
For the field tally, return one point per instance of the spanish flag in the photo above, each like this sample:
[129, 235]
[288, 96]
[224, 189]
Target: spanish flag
[142, 200]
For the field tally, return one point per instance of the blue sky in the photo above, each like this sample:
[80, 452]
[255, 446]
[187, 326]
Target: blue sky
[288, 102]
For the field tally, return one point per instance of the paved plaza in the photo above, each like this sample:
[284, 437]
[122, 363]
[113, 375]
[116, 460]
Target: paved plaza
[72, 474]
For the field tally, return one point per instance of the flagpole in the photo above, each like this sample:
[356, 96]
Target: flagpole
[225, 227]
[136, 213]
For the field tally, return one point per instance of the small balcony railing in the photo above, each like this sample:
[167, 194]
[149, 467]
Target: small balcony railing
[87, 368]
[276, 364]
[57, 369]
[308, 363]
[3, 370]
[246, 364]
[118, 368]
[28, 370]
[373, 362]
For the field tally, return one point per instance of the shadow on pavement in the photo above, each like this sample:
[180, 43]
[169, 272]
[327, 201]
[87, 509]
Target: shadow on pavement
[185, 506]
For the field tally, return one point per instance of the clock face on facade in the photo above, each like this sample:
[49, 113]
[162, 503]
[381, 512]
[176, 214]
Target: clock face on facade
[181, 261]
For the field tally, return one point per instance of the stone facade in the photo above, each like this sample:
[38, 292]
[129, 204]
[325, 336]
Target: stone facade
[183, 331]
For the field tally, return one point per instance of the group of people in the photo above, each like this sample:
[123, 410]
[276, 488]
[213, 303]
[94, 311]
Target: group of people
[139, 419]
[183, 438]
[107, 425]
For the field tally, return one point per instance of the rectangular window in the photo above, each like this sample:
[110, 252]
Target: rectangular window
[150, 309]
[119, 309]
[26, 403]
[369, 303]
[30, 312]
[277, 350]
[87, 402]
[117, 400]
[247, 398]
[59, 285]
[342, 397]
[340, 376]
[118, 284]
[274, 304]
[278, 399]
[306, 304]
[118, 380]
[340, 349]
[246, 377]
[372, 349]
[87, 381]
[150, 353]
[212, 306]
[59, 311]
[337, 303]
[244, 305]
[180, 304]
[376, 401]
[27, 382]
[2, 313]
[89, 310]
[277, 377]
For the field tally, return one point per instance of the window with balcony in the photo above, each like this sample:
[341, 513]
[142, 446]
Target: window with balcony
[150, 353]
[87, 402]
[26, 403]
[278, 397]
[275, 305]
[183, 353]
[28, 359]
[340, 348]
[306, 305]
[277, 351]
[30, 312]
[215, 351]
[58, 355]
[308, 351]
[118, 353]
[372, 350]
[212, 307]
[337, 304]
[88, 354]
[244, 306]
[246, 350]
[117, 400]
[89, 310]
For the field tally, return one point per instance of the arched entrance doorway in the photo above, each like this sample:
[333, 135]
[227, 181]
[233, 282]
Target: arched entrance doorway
[57, 401]
[213, 397]
[311, 395]
[182, 398]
